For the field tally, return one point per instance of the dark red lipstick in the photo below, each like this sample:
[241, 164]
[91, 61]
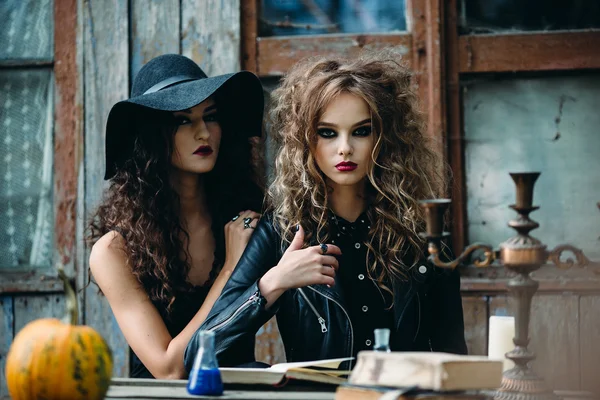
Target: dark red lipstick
[204, 151]
[346, 166]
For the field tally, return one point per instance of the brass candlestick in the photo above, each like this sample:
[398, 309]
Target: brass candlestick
[521, 254]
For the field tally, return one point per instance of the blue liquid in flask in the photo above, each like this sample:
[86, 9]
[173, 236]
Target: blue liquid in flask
[205, 377]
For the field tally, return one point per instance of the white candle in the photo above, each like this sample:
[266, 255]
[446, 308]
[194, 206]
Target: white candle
[500, 340]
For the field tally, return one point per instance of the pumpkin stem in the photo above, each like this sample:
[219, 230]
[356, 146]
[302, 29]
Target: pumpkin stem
[71, 299]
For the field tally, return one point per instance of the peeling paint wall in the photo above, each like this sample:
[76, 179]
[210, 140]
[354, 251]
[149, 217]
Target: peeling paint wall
[547, 124]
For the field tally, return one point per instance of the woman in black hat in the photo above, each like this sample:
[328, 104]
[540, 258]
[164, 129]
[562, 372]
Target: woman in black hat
[181, 204]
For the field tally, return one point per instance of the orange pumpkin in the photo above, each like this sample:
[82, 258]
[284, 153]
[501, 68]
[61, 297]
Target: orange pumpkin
[50, 359]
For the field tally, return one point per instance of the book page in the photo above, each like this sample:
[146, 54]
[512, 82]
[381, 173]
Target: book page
[330, 372]
[332, 363]
[251, 376]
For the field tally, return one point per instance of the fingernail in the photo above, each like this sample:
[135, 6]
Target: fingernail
[297, 227]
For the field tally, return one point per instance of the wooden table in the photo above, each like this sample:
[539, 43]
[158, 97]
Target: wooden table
[147, 389]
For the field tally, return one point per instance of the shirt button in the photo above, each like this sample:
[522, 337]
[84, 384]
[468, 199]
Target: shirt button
[357, 245]
[368, 342]
[361, 276]
[422, 269]
[365, 308]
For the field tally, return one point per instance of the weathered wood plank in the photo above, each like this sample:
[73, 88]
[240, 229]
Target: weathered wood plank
[6, 328]
[475, 311]
[80, 227]
[249, 33]
[554, 334]
[30, 308]
[547, 272]
[211, 34]
[106, 82]
[545, 51]
[277, 54]
[454, 133]
[29, 282]
[154, 31]
[68, 132]
[555, 338]
[589, 342]
[427, 64]
[546, 285]
[269, 347]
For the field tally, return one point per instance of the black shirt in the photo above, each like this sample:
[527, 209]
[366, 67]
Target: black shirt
[368, 305]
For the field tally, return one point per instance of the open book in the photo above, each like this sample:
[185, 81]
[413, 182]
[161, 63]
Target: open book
[323, 371]
[426, 370]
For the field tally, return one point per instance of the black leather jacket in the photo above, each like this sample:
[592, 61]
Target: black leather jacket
[313, 321]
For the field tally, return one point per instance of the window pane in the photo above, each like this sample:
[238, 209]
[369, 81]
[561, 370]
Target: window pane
[312, 17]
[545, 124]
[26, 155]
[27, 31]
[491, 16]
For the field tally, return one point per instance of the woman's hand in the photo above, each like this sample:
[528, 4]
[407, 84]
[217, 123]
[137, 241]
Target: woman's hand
[237, 235]
[300, 267]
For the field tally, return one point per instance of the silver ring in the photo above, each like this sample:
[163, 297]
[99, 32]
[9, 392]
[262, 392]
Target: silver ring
[235, 218]
[323, 248]
[247, 223]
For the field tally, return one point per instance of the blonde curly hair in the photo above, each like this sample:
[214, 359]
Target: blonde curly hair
[404, 168]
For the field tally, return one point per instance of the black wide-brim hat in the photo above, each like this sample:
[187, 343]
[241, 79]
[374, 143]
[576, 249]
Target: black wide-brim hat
[173, 82]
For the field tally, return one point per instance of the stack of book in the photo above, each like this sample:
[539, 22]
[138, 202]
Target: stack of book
[422, 375]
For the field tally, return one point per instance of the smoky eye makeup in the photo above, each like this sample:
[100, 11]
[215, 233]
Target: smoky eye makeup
[326, 132]
[211, 117]
[181, 120]
[364, 130]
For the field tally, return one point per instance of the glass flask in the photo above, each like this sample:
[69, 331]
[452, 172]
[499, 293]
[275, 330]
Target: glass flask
[382, 340]
[205, 378]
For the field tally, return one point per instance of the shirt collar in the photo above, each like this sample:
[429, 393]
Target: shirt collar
[341, 225]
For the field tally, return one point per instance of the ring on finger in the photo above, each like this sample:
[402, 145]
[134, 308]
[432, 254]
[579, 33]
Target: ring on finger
[235, 218]
[323, 248]
[247, 223]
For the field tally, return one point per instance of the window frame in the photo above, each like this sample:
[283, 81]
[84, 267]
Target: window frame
[472, 54]
[272, 56]
[68, 145]
[439, 57]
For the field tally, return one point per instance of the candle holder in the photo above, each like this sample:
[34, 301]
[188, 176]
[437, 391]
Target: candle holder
[521, 254]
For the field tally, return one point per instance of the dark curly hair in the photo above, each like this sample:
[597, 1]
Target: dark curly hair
[142, 206]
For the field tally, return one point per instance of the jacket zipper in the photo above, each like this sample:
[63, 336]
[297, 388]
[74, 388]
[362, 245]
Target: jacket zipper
[245, 304]
[319, 318]
[347, 316]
